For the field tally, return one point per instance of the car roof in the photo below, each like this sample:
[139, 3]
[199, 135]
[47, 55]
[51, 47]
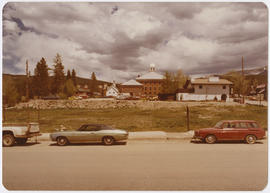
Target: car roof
[249, 121]
[102, 125]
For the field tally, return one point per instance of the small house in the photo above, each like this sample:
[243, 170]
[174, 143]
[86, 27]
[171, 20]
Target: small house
[112, 91]
[203, 89]
[261, 91]
[83, 91]
[134, 88]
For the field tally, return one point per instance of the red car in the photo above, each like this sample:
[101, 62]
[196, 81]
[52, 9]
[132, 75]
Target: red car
[246, 130]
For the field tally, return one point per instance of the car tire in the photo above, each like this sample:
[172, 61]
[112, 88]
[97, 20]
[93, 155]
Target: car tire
[8, 140]
[108, 140]
[210, 139]
[21, 141]
[62, 141]
[250, 139]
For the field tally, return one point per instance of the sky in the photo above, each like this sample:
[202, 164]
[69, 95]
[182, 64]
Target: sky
[119, 41]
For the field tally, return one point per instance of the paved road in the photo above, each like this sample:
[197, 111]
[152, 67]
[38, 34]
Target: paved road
[139, 165]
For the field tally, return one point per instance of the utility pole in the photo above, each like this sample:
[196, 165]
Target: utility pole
[27, 89]
[27, 81]
[243, 78]
[242, 66]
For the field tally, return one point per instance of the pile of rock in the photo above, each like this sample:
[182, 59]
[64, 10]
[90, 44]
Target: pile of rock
[103, 104]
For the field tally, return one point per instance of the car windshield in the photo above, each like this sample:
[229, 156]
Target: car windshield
[81, 128]
[219, 124]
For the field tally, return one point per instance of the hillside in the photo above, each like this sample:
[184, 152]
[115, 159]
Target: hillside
[14, 87]
[22, 78]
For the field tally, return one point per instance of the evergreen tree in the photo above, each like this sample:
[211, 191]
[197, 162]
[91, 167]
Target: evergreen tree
[10, 93]
[93, 85]
[73, 77]
[59, 75]
[68, 75]
[41, 79]
[93, 76]
[69, 89]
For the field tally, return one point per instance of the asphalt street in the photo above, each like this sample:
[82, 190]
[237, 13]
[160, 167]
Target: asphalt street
[139, 165]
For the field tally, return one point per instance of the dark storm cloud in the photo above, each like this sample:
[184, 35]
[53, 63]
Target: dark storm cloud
[22, 28]
[114, 9]
[9, 61]
[233, 61]
[185, 10]
[120, 40]
[21, 25]
[125, 53]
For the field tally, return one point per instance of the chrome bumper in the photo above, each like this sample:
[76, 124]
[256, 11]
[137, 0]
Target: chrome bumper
[29, 135]
[196, 138]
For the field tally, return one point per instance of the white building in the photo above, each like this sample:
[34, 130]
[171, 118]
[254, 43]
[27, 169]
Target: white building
[203, 89]
[112, 91]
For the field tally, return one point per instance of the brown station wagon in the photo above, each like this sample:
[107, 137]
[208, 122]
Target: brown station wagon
[246, 130]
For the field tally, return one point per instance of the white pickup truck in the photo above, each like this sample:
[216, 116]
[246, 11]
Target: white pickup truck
[18, 133]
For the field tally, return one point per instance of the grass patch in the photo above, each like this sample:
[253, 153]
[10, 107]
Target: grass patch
[134, 119]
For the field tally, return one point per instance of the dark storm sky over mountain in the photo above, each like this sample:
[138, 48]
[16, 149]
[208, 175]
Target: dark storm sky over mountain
[119, 40]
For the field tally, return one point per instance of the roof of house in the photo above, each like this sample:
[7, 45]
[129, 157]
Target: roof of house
[150, 75]
[132, 83]
[261, 91]
[83, 90]
[261, 86]
[206, 81]
[113, 87]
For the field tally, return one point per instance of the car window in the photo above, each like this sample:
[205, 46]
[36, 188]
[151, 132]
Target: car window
[92, 128]
[226, 125]
[240, 125]
[237, 125]
[233, 125]
[253, 125]
[106, 127]
[219, 124]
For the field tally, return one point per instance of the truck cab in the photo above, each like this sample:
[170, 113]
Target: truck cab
[18, 133]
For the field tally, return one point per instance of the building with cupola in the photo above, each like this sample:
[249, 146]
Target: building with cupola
[147, 85]
[151, 81]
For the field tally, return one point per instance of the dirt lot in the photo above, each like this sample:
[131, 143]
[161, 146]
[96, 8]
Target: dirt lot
[133, 115]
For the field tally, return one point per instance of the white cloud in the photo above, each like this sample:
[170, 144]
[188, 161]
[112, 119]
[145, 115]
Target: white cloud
[196, 37]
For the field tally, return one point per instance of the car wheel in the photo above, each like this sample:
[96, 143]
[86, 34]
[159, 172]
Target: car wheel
[210, 139]
[250, 139]
[8, 140]
[21, 141]
[62, 141]
[108, 140]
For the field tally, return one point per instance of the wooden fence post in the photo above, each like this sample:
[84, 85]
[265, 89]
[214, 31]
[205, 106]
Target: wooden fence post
[187, 108]
[4, 114]
[38, 114]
